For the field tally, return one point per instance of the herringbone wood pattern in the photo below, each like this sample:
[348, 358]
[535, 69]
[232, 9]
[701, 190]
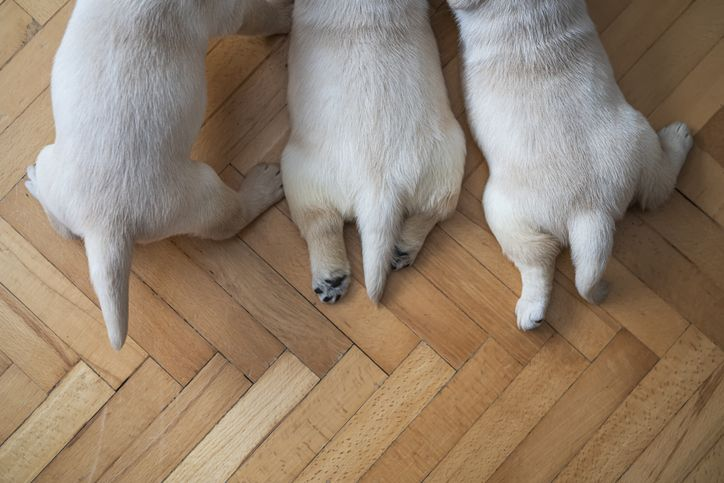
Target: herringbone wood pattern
[234, 370]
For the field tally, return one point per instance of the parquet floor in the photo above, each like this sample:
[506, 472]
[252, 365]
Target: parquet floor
[234, 370]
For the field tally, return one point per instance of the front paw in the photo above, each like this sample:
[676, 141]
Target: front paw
[530, 313]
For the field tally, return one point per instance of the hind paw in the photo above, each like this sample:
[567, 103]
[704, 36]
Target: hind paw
[332, 287]
[530, 313]
[677, 140]
[401, 259]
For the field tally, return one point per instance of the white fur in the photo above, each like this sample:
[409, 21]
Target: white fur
[373, 137]
[567, 153]
[128, 91]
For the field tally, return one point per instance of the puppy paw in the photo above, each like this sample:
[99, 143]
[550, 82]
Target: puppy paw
[262, 186]
[676, 140]
[332, 287]
[401, 259]
[30, 182]
[598, 292]
[530, 314]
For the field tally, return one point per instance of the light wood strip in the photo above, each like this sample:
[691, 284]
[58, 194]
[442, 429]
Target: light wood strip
[42, 10]
[19, 396]
[17, 28]
[711, 466]
[678, 281]
[443, 422]
[446, 33]
[381, 419]
[266, 147]
[165, 335]
[695, 235]
[302, 434]
[495, 434]
[687, 437]
[5, 363]
[710, 136]
[271, 301]
[701, 180]
[637, 28]
[174, 433]
[424, 308]
[698, 97]
[670, 59]
[646, 410]
[76, 399]
[63, 308]
[575, 417]
[136, 404]
[247, 423]
[34, 348]
[275, 238]
[207, 307]
[27, 74]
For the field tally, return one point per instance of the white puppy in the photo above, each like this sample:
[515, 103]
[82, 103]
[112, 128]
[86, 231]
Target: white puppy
[373, 136]
[128, 91]
[567, 153]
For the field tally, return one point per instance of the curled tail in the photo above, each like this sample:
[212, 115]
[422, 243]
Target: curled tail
[109, 261]
[379, 226]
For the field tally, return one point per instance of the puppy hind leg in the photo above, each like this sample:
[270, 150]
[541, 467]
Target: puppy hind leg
[210, 209]
[412, 236]
[591, 240]
[658, 177]
[323, 231]
[32, 187]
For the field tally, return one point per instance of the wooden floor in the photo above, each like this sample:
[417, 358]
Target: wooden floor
[235, 371]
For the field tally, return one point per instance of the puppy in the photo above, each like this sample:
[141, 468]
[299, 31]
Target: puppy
[567, 154]
[373, 137]
[128, 92]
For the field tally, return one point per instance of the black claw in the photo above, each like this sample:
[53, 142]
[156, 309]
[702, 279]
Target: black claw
[327, 298]
[317, 290]
[335, 282]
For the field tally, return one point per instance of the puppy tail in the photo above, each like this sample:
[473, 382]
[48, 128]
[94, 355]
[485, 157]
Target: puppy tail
[109, 261]
[379, 226]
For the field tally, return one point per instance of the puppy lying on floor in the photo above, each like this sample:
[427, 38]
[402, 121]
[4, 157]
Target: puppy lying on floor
[129, 93]
[567, 154]
[372, 136]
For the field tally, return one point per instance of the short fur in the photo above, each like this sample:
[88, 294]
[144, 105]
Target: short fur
[129, 93]
[567, 153]
[373, 136]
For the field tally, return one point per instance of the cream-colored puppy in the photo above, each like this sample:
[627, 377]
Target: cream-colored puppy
[567, 153]
[373, 136]
[128, 91]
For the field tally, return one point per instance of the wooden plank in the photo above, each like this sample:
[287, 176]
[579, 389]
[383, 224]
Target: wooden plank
[302, 434]
[34, 348]
[117, 425]
[76, 399]
[5, 362]
[603, 12]
[27, 74]
[18, 28]
[443, 422]
[694, 234]
[697, 97]
[170, 437]
[579, 412]
[700, 181]
[42, 10]
[446, 33]
[155, 326]
[674, 55]
[506, 423]
[711, 466]
[207, 307]
[678, 281]
[270, 300]
[247, 423]
[244, 114]
[275, 238]
[709, 138]
[232, 60]
[636, 29]
[63, 308]
[381, 419]
[266, 147]
[428, 311]
[687, 437]
[625, 434]
[19, 396]
[21, 142]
